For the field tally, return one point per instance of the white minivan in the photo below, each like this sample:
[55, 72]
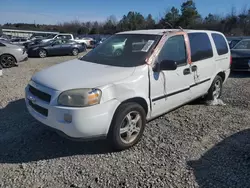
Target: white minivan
[113, 95]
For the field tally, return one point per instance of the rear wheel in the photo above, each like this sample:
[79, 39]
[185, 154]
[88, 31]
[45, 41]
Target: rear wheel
[7, 61]
[215, 90]
[75, 52]
[127, 126]
[42, 53]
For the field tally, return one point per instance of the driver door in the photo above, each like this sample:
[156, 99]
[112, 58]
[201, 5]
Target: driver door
[55, 48]
[171, 88]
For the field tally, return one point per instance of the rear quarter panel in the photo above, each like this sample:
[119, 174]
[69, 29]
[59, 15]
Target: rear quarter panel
[222, 62]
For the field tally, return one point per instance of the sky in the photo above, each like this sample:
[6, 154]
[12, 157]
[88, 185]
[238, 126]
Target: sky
[58, 11]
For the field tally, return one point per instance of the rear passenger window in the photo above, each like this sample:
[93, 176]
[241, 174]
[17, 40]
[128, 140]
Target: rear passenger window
[220, 44]
[200, 46]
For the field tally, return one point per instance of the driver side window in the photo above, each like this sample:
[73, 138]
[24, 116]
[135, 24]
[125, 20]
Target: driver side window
[57, 42]
[174, 49]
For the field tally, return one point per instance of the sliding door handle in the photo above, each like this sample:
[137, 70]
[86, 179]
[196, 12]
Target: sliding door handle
[194, 68]
[186, 71]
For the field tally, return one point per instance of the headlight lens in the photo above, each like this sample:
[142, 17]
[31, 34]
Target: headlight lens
[80, 97]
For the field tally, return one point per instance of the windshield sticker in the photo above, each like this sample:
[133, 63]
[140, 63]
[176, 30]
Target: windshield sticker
[147, 46]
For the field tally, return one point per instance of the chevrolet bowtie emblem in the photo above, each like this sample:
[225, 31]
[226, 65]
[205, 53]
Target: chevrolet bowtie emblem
[32, 99]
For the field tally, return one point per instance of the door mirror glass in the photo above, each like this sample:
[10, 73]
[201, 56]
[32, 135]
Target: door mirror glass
[168, 65]
[165, 65]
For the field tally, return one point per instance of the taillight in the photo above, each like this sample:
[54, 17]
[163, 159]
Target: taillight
[231, 60]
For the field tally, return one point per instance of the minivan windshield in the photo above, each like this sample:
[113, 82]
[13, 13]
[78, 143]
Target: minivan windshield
[123, 50]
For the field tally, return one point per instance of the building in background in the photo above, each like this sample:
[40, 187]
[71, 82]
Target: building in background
[25, 33]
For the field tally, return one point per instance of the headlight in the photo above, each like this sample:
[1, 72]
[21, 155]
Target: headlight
[19, 49]
[80, 97]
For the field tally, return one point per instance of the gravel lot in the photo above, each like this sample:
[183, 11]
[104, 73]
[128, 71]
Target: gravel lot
[194, 146]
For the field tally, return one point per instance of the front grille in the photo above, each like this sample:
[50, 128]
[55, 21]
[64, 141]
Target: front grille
[39, 94]
[39, 109]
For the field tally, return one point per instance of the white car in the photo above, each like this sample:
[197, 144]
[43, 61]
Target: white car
[89, 42]
[58, 36]
[113, 95]
[11, 55]
[19, 41]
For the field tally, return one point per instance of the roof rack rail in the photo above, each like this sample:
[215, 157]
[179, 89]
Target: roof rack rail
[169, 24]
[181, 28]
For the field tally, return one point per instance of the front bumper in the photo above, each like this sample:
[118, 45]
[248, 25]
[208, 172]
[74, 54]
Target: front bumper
[87, 122]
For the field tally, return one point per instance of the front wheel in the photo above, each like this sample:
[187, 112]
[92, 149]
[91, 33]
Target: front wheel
[42, 53]
[127, 126]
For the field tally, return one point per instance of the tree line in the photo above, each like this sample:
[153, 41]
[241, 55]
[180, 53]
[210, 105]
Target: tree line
[187, 17]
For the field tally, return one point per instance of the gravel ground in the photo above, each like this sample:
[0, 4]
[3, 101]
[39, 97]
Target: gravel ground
[194, 146]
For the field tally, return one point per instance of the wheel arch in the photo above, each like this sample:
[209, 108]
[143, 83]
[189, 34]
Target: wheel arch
[41, 48]
[222, 75]
[139, 100]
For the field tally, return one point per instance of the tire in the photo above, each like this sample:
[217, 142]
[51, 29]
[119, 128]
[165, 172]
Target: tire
[75, 52]
[7, 61]
[132, 130]
[215, 90]
[84, 46]
[42, 53]
[118, 52]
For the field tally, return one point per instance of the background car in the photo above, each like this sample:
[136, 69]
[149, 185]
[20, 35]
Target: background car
[241, 56]
[19, 41]
[65, 36]
[56, 47]
[89, 42]
[11, 54]
[99, 41]
[32, 42]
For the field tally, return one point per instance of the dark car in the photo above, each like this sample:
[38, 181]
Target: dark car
[32, 42]
[241, 56]
[56, 47]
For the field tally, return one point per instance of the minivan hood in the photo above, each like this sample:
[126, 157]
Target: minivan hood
[80, 74]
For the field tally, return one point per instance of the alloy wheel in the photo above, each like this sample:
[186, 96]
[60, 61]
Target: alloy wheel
[7, 61]
[217, 89]
[42, 53]
[130, 127]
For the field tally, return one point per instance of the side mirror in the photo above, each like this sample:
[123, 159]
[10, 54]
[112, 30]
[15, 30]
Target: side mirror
[165, 65]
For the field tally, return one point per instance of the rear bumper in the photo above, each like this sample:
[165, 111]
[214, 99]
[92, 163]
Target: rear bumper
[22, 57]
[25, 59]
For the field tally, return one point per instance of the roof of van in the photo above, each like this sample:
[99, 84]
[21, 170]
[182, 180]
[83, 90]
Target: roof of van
[162, 31]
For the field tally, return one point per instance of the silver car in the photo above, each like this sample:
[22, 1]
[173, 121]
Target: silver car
[11, 54]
